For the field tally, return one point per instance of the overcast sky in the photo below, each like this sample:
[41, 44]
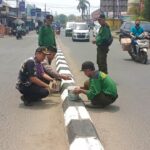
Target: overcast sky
[66, 7]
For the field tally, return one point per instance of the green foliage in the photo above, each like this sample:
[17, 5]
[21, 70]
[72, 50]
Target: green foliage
[147, 9]
[71, 18]
[83, 6]
[61, 18]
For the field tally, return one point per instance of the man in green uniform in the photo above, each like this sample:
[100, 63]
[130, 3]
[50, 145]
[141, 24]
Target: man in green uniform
[101, 41]
[46, 33]
[100, 89]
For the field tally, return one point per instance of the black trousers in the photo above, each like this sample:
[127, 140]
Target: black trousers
[103, 99]
[33, 92]
[102, 58]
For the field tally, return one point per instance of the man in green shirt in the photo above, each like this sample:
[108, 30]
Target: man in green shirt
[101, 40]
[100, 89]
[46, 33]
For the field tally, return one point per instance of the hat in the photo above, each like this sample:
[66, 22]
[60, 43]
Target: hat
[42, 49]
[101, 16]
[88, 65]
[52, 48]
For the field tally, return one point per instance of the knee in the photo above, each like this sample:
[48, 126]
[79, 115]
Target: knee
[44, 93]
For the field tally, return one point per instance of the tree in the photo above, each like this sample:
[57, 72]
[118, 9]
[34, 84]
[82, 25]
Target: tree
[62, 19]
[83, 6]
[147, 9]
[71, 18]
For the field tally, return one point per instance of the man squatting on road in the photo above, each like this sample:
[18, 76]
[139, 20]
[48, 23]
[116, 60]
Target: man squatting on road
[48, 68]
[100, 89]
[31, 80]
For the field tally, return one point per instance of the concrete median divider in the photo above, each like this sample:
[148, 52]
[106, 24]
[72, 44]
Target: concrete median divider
[81, 132]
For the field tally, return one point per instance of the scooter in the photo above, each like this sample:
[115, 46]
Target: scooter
[141, 46]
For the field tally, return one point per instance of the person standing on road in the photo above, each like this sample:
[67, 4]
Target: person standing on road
[100, 89]
[46, 33]
[29, 83]
[102, 38]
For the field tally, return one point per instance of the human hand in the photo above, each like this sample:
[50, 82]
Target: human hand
[77, 90]
[49, 89]
[66, 77]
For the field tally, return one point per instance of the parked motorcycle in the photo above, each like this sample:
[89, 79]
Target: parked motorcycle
[137, 48]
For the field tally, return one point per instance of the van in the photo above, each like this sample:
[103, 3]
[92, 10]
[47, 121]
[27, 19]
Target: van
[81, 32]
[69, 28]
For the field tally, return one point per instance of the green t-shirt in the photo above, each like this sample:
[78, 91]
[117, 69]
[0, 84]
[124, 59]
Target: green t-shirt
[47, 36]
[101, 82]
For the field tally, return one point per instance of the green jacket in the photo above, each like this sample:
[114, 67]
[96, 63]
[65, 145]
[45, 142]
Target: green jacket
[103, 35]
[101, 82]
[47, 36]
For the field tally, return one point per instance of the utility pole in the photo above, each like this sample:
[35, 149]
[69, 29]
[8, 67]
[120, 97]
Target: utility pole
[45, 8]
[17, 7]
[100, 6]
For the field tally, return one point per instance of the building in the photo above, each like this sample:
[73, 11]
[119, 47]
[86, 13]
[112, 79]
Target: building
[138, 4]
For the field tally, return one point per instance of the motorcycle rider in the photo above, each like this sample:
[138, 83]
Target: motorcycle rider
[135, 32]
[19, 31]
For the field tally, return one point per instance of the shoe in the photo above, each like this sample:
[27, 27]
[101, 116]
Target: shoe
[37, 100]
[27, 101]
[89, 105]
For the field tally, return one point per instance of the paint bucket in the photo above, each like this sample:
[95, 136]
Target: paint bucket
[71, 95]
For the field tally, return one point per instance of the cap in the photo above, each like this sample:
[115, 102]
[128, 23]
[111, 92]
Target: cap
[42, 49]
[101, 16]
[52, 48]
[88, 65]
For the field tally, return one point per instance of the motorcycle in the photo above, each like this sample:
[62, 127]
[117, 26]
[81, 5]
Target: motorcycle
[138, 48]
[18, 35]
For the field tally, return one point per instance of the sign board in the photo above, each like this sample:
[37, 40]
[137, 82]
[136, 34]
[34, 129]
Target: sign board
[22, 6]
[33, 12]
[1, 1]
[38, 12]
[114, 5]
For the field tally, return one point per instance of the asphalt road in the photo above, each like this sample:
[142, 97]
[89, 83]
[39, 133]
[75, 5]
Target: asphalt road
[40, 127]
[125, 125]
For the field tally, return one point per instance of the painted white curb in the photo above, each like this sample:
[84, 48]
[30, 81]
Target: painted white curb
[81, 132]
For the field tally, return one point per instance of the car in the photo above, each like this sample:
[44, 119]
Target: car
[69, 28]
[81, 32]
[96, 30]
[126, 26]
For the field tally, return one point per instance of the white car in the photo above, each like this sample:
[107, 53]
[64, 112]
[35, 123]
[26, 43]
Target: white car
[81, 32]
[69, 28]
[96, 30]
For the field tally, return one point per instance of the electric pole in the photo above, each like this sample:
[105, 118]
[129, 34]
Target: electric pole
[17, 7]
[45, 9]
